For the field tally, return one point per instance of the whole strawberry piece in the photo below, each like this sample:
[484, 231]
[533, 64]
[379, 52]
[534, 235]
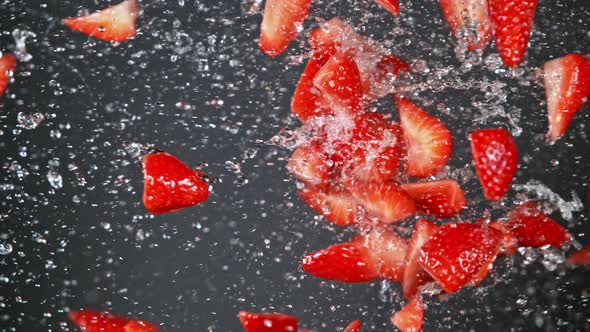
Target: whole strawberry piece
[268, 322]
[496, 157]
[7, 64]
[170, 185]
[113, 24]
[279, 24]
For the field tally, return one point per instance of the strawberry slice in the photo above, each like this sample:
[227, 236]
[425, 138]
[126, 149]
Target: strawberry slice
[92, 321]
[340, 81]
[330, 35]
[170, 185]
[310, 165]
[390, 5]
[567, 86]
[581, 257]
[414, 274]
[280, 22]
[442, 198]
[512, 21]
[268, 322]
[496, 157]
[305, 101]
[384, 200]
[429, 141]
[533, 228]
[112, 24]
[7, 65]
[509, 243]
[338, 207]
[457, 252]
[354, 326]
[410, 318]
[468, 16]
[387, 253]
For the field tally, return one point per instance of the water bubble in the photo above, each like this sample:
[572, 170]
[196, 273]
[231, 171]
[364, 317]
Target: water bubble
[5, 248]
[20, 50]
[29, 121]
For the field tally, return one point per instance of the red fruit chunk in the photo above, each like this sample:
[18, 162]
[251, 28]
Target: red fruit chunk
[7, 65]
[533, 228]
[464, 15]
[496, 157]
[390, 5]
[429, 141]
[567, 86]
[581, 257]
[139, 326]
[384, 200]
[387, 252]
[271, 322]
[390, 64]
[310, 165]
[113, 24]
[92, 321]
[442, 198]
[305, 102]
[457, 252]
[410, 318]
[414, 274]
[512, 21]
[340, 81]
[170, 185]
[279, 24]
[338, 207]
[354, 326]
[509, 243]
[331, 34]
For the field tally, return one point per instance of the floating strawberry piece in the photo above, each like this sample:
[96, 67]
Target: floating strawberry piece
[442, 198]
[139, 326]
[390, 64]
[411, 317]
[305, 102]
[496, 157]
[509, 243]
[170, 185]
[340, 81]
[112, 24]
[414, 274]
[512, 21]
[466, 15]
[270, 322]
[429, 141]
[7, 65]
[384, 200]
[310, 165]
[339, 207]
[567, 86]
[533, 228]
[457, 252]
[387, 253]
[581, 257]
[92, 321]
[354, 326]
[330, 35]
[390, 5]
[279, 24]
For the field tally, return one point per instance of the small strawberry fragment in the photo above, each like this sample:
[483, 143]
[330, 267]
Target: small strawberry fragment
[533, 228]
[139, 326]
[581, 257]
[509, 243]
[305, 101]
[429, 140]
[112, 24]
[414, 274]
[567, 86]
[390, 64]
[384, 200]
[170, 185]
[457, 252]
[7, 65]
[338, 207]
[268, 322]
[512, 21]
[330, 35]
[339, 80]
[92, 321]
[310, 165]
[496, 157]
[441, 198]
[411, 317]
[354, 326]
[390, 5]
[465, 16]
[279, 24]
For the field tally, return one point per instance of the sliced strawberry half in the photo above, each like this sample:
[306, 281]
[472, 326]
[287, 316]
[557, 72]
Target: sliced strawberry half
[496, 157]
[457, 252]
[92, 321]
[384, 200]
[310, 164]
[429, 141]
[280, 23]
[170, 185]
[533, 228]
[7, 65]
[512, 21]
[390, 5]
[442, 198]
[338, 207]
[268, 322]
[581, 257]
[567, 86]
[112, 24]
[354, 326]
[411, 317]
[339, 80]
[414, 274]
[305, 101]
[467, 16]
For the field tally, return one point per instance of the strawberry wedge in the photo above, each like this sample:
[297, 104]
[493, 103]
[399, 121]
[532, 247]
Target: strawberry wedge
[305, 101]
[310, 164]
[581, 257]
[410, 318]
[533, 228]
[390, 5]
[92, 321]
[113, 24]
[339, 80]
[465, 16]
[280, 23]
[414, 274]
[354, 326]
[338, 207]
[267, 322]
[567, 86]
[384, 200]
[7, 65]
[442, 198]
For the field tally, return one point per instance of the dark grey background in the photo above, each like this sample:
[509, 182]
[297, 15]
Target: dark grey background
[91, 244]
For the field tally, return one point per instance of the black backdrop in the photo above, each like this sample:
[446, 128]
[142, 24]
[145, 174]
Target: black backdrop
[193, 83]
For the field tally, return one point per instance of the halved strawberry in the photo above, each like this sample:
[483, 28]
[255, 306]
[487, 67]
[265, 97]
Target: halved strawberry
[384, 200]
[457, 252]
[169, 184]
[113, 24]
[411, 317]
[305, 102]
[7, 65]
[465, 17]
[581, 257]
[390, 5]
[533, 228]
[93, 321]
[496, 157]
[338, 207]
[567, 86]
[280, 24]
[340, 81]
[414, 274]
[268, 322]
[310, 164]
[354, 326]
[441, 198]
[429, 141]
[512, 21]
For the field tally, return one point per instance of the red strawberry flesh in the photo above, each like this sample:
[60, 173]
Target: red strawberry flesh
[414, 274]
[267, 322]
[279, 24]
[533, 228]
[410, 318]
[442, 198]
[113, 24]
